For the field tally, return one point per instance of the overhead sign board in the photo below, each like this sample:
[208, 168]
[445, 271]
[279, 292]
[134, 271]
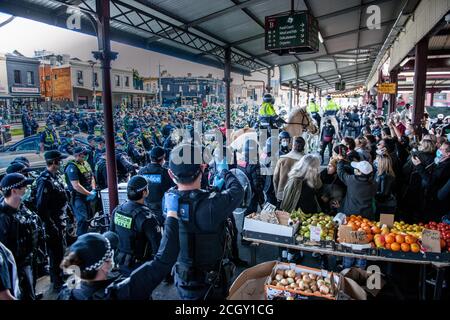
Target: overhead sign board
[387, 88]
[24, 90]
[339, 86]
[292, 32]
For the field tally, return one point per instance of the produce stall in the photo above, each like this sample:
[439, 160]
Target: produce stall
[352, 236]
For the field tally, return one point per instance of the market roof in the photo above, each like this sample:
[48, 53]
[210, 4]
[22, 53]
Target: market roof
[200, 30]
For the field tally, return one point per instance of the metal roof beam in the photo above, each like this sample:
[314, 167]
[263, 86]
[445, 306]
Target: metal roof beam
[351, 9]
[346, 33]
[250, 14]
[238, 5]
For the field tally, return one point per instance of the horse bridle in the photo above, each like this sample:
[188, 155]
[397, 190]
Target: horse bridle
[303, 124]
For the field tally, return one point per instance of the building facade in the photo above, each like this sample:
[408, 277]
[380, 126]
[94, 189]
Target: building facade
[192, 90]
[19, 82]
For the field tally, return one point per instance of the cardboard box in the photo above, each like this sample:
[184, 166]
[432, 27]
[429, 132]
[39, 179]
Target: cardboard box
[254, 227]
[250, 284]
[274, 292]
[361, 277]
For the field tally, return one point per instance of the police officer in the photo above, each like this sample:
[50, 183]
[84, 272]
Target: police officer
[91, 123]
[68, 146]
[90, 149]
[19, 230]
[137, 227]
[202, 270]
[267, 114]
[331, 107]
[48, 138]
[51, 203]
[124, 165]
[101, 177]
[158, 180]
[313, 109]
[99, 148]
[81, 184]
[326, 140]
[285, 140]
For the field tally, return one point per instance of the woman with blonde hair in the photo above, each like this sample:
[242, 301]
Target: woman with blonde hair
[303, 185]
[385, 178]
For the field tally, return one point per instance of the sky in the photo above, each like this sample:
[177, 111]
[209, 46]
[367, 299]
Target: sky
[26, 36]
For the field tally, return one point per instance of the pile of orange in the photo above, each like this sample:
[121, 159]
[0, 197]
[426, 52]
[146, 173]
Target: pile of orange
[358, 223]
[398, 242]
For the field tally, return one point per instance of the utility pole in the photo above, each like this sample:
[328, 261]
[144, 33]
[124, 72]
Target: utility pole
[159, 84]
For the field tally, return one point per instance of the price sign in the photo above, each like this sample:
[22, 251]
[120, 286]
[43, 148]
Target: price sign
[431, 240]
[315, 233]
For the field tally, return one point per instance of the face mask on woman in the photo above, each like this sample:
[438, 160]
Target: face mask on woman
[407, 132]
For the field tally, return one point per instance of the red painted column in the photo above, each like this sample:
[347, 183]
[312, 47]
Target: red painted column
[393, 97]
[420, 79]
[379, 95]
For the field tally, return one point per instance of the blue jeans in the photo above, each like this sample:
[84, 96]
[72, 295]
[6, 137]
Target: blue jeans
[81, 211]
[350, 262]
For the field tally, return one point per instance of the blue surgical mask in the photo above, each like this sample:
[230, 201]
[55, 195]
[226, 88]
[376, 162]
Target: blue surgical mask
[438, 156]
[407, 132]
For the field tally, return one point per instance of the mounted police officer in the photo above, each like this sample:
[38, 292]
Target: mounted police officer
[203, 270]
[51, 203]
[48, 138]
[81, 184]
[158, 180]
[267, 115]
[331, 107]
[313, 109]
[137, 227]
[19, 230]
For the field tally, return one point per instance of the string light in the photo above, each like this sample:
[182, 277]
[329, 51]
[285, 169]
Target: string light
[351, 93]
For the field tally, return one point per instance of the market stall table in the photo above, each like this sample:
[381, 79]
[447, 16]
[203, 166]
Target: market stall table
[440, 266]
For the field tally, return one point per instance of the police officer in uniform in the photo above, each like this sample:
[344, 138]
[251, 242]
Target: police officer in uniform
[313, 109]
[137, 227]
[81, 184]
[331, 107]
[68, 146]
[99, 148]
[101, 176]
[203, 270]
[51, 203]
[9, 283]
[48, 138]
[158, 180]
[90, 149]
[124, 165]
[19, 230]
[267, 115]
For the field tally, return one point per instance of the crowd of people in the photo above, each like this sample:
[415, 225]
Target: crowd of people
[180, 213]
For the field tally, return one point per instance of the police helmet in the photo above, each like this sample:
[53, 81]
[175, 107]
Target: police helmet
[312, 99]
[268, 98]
[185, 161]
[328, 97]
[284, 135]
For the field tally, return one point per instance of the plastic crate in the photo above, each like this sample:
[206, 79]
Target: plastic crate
[104, 194]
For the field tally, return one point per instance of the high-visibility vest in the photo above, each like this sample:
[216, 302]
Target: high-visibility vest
[331, 106]
[267, 110]
[313, 107]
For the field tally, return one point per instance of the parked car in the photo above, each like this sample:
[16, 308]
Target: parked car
[31, 143]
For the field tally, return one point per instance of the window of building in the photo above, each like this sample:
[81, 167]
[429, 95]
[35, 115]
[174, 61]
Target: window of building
[56, 77]
[180, 89]
[30, 77]
[80, 77]
[17, 76]
[168, 87]
[117, 80]
[95, 79]
[127, 81]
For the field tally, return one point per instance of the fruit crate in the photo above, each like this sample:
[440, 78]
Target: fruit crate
[422, 256]
[367, 251]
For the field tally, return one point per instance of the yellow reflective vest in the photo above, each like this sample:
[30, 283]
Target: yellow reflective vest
[313, 107]
[332, 106]
[267, 110]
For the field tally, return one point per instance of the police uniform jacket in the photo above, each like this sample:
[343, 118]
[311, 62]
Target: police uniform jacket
[159, 182]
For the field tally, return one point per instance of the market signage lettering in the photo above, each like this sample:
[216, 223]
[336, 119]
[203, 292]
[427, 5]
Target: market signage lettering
[24, 90]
